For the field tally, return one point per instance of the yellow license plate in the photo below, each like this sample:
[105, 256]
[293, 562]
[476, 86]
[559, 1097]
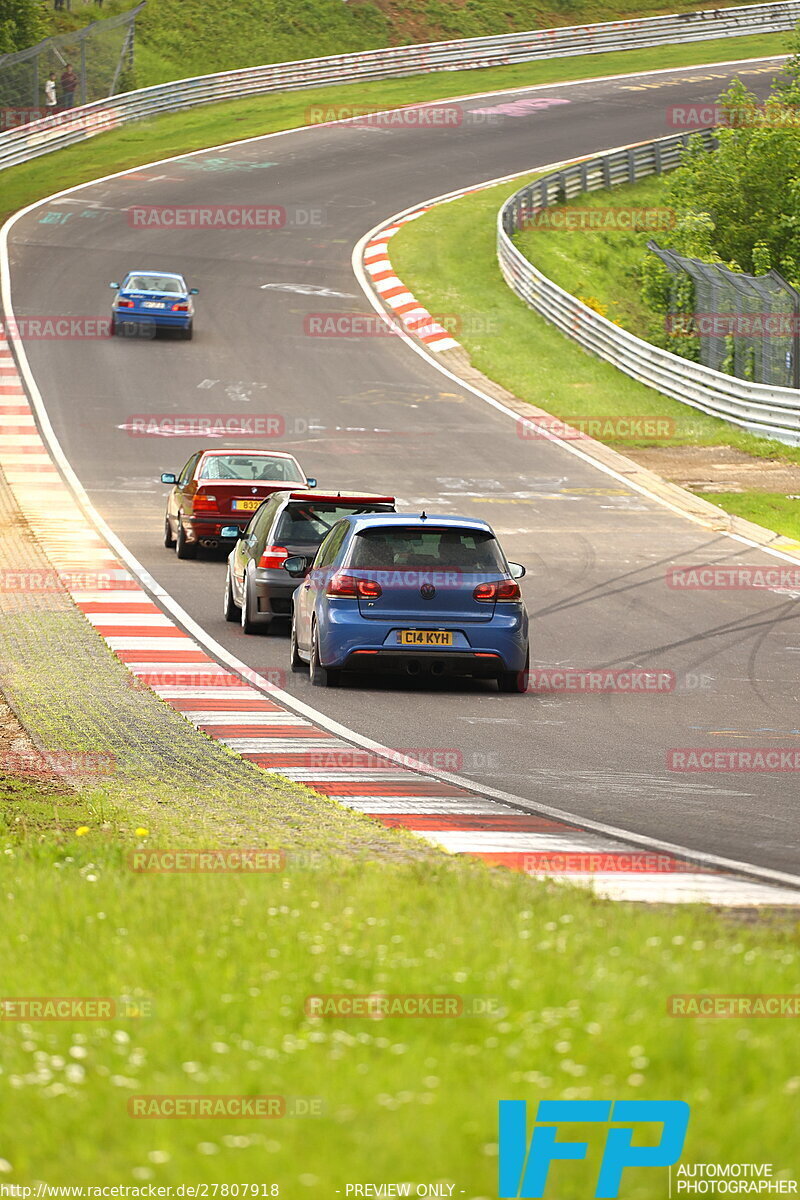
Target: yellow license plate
[424, 637]
[246, 505]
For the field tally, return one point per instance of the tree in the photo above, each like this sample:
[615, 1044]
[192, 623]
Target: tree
[22, 24]
[748, 189]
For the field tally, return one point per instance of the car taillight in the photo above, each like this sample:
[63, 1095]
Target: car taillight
[180, 308]
[125, 304]
[273, 556]
[203, 502]
[505, 589]
[369, 589]
[508, 589]
[346, 585]
[341, 585]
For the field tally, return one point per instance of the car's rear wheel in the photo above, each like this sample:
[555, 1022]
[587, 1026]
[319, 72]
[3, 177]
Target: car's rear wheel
[248, 607]
[295, 661]
[183, 547]
[112, 329]
[169, 540]
[187, 333]
[514, 682]
[320, 676]
[230, 609]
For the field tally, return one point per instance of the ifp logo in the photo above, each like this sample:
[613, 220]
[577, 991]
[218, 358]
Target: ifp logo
[524, 1168]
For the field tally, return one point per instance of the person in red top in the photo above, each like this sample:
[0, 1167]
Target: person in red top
[69, 83]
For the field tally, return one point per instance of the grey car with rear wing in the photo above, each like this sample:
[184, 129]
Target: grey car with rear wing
[289, 523]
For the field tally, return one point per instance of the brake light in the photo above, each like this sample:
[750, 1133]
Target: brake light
[341, 585]
[125, 304]
[273, 556]
[508, 589]
[346, 585]
[504, 589]
[369, 589]
[180, 308]
[203, 502]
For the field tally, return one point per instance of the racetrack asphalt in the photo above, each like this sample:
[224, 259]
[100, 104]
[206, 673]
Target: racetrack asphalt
[368, 413]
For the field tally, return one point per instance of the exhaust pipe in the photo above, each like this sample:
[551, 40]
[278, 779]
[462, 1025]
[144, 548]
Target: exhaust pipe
[412, 668]
[208, 543]
[437, 669]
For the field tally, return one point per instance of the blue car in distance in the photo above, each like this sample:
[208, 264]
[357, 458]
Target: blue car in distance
[415, 594]
[150, 300]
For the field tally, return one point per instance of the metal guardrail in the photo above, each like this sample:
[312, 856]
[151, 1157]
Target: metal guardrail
[53, 133]
[768, 411]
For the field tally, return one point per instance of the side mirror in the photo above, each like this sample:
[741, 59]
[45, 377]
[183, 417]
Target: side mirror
[168, 477]
[229, 531]
[297, 565]
[194, 291]
[311, 482]
[114, 285]
[516, 570]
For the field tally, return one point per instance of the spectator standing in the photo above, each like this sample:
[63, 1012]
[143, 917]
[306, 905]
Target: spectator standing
[69, 82]
[50, 98]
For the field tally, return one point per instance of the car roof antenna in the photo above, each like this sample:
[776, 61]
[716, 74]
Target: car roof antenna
[423, 515]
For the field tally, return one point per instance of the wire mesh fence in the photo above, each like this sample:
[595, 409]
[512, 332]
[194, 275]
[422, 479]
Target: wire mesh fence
[66, 70]
[742, 325]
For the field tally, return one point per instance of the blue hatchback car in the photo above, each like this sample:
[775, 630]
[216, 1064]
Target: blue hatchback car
[417, 594]
[150, 300]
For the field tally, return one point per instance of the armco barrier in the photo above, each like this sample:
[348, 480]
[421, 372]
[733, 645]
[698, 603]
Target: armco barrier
[768, 411]
[53, 133]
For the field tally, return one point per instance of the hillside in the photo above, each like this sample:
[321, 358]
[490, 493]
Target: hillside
[177, 38]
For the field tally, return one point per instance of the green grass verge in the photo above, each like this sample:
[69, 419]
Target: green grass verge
[600, 264]
[32, 809]
[522, 351]
[212, 125]
[530, 357]
[771, 509]
[219, 968]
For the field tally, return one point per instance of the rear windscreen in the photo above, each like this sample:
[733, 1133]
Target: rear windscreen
[307, 524]
[250, 467]
[154, 283]
[467, 549]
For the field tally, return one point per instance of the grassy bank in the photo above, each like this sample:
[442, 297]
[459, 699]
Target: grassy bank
[601, 263]
[531, 358]
[211, 974]
[176, 38]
